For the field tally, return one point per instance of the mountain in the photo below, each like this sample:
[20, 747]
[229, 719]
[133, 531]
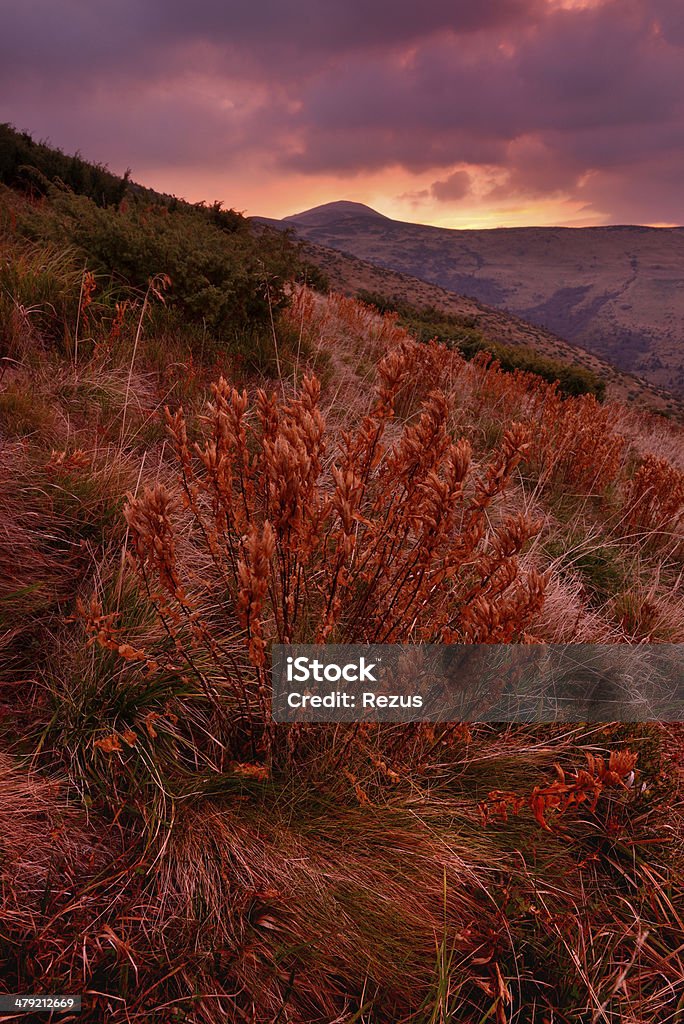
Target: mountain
[353, 276]
[617, 291]
[342, 212]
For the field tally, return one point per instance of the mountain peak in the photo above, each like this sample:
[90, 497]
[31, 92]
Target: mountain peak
[344, 209]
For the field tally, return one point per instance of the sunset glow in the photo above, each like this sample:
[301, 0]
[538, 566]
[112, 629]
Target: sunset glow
[510, 112]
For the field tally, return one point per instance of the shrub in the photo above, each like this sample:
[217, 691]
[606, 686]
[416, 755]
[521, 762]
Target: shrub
[391, 543]
[222, 279]
[572, 380]
[576, 448]
[655, 501]
[32, 166]
[226, 277]
[429, 324]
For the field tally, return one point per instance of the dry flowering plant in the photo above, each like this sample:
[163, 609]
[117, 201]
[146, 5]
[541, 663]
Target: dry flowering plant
[275, 535]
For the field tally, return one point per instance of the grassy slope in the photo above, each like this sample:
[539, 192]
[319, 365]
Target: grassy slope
[189, 864]
[615, 290]
[349, 274]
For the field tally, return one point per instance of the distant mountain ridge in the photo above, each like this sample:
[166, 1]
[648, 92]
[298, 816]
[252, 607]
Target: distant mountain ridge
[350, 276]
[341, 210]
[616, 290]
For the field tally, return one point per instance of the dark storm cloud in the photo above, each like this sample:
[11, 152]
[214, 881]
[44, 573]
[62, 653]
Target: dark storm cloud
[325, 27]
[587, 102]
[269, 36]
[584, 71]
[456, 186]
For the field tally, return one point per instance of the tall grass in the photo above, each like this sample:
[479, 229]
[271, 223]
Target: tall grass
[169, 851]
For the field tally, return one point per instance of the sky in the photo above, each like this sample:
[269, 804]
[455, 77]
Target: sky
[460, 113]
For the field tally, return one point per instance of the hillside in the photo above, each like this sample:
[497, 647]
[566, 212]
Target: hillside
[162, 843]
[616, 291]
[202, 457]
[351, 275]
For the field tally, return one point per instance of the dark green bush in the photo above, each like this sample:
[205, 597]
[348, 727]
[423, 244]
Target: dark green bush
[21, 157]
[572, 379]
[311, 275]
[459, 332]
[427, 323]
[226, 280]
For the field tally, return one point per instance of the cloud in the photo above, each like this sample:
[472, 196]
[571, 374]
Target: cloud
[456, 186]
[582, 102]
[270, 38]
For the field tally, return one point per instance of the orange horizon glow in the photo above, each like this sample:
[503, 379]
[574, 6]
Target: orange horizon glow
[516, 113]
[385, 192]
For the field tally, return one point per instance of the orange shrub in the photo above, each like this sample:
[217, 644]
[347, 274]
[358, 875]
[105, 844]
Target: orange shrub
[655, 498]
[273, 541]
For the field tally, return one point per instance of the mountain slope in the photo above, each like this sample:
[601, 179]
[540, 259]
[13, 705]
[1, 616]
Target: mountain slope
[342, 211]
[615, 290]
[350, 275]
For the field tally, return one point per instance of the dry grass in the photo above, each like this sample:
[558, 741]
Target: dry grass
[167, 849]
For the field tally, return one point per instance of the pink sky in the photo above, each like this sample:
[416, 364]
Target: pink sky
[462, 113]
